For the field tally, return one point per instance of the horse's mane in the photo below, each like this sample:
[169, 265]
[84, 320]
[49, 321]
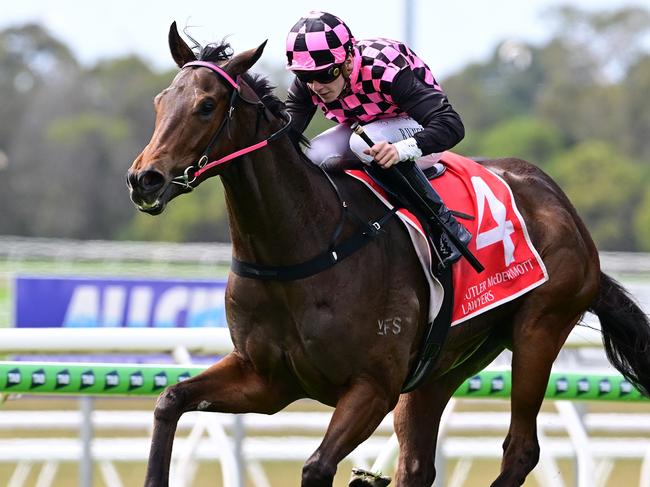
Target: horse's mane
[219, 52]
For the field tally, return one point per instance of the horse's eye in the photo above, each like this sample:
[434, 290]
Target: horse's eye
[206, 107]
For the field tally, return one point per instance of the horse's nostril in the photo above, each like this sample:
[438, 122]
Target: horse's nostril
[150, 180]
[131, 179]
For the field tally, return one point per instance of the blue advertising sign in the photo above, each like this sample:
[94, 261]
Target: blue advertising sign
[81, 302]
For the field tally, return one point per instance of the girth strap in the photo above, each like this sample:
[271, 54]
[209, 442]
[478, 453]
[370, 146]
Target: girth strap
[319, 263]
[434, 337]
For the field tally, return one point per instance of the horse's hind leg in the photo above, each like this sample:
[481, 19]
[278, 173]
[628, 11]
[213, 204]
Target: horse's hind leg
[417, 418]
[231, 385]
[536, 343]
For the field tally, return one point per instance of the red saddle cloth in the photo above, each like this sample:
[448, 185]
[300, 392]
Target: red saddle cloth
[500, 240]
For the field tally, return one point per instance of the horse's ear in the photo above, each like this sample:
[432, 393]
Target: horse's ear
[243, 61]
[181, 52]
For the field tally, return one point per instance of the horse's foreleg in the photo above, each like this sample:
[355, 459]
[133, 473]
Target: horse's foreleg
[358, 413]
[231, 385]
[534, 349]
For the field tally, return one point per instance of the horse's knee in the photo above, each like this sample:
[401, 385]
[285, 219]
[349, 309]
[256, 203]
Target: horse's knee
[169, 405]
[317, 474]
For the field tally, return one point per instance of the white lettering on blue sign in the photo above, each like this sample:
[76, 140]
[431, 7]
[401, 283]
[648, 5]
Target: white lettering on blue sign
[119, 305]
[170, 305]
[114, 298]
[84, 307]
[140, 307]
[206, 308]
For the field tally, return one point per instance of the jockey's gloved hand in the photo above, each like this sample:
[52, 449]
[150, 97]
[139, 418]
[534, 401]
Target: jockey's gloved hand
[407, 149]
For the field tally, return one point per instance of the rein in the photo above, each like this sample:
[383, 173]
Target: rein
[192, 173]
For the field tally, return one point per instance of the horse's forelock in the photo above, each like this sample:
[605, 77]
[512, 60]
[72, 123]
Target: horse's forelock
[215, 52]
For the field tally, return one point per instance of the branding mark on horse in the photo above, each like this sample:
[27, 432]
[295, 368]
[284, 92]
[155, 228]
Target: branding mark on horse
[389, 325]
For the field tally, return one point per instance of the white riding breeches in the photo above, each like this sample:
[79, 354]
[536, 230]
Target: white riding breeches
[339, 148]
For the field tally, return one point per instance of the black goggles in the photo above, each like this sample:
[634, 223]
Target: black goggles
[323, 76]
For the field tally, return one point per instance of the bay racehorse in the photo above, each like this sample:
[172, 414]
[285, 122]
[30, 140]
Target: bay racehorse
[316, 336]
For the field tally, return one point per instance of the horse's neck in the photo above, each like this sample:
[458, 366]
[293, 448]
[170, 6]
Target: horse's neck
[280, 209]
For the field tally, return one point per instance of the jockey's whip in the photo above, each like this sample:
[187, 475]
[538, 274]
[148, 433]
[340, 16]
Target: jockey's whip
[462, 248]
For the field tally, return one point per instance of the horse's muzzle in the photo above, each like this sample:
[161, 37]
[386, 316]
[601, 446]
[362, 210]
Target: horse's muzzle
[146, 189]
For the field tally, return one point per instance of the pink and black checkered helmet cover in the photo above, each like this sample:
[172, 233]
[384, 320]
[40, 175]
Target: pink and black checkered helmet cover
[317, 41]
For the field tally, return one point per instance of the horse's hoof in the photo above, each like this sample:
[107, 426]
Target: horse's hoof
[363, 478]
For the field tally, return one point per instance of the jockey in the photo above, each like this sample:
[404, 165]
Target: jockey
[383, 85]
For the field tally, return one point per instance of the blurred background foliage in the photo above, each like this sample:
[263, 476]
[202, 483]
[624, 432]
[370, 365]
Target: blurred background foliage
[578, 106]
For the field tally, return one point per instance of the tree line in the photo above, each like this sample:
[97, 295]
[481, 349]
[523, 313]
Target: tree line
[576, 105]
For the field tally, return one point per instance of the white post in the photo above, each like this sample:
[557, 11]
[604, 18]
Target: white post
[239, 434]
[580, 440]
[86, 440]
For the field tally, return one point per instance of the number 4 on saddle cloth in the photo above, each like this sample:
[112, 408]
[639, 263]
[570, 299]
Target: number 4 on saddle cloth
[500, 240]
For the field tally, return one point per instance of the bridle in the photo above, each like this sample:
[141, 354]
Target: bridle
[188, 180]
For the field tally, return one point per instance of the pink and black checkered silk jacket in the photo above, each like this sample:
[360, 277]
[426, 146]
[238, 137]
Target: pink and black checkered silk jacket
[388, 79]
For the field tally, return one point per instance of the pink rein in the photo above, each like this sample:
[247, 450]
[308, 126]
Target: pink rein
[229, 157]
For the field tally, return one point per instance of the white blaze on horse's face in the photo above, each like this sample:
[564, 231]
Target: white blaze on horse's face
[187, 114]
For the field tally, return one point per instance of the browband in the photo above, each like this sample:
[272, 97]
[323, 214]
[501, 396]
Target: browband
[215, 68]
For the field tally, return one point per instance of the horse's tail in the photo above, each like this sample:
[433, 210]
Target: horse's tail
[626, 332]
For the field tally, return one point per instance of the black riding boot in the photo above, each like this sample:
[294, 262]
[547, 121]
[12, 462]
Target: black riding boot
[419, 184]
